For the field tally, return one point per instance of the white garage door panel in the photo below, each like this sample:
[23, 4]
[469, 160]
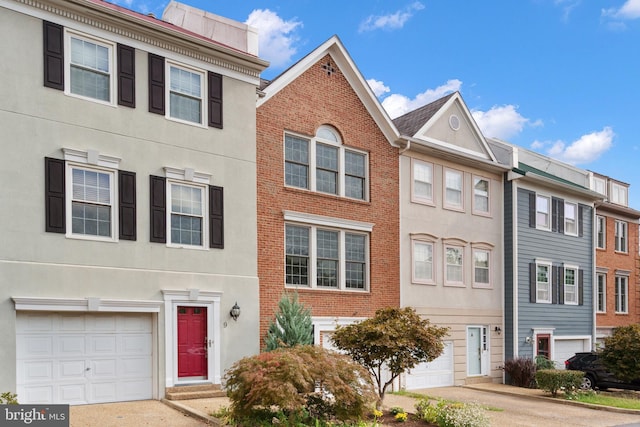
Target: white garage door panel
[564, 349]
[83, 358]
[437, 373]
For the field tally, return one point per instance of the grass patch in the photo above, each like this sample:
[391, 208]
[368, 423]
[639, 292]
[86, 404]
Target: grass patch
[426, 396]
[613, 401]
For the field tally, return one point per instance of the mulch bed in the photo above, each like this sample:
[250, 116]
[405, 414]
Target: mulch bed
[388, 420]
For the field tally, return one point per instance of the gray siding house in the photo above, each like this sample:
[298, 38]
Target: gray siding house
[549, 256]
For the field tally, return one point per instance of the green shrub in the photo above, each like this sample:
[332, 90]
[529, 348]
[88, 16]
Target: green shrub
[452, 414]
[543, 362]
[521, 371]
[298, 385]
[554, 380]
[8, 398]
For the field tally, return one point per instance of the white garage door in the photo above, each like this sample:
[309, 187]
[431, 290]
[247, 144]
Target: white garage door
[564, 349]
[78, 358]
[437, 373]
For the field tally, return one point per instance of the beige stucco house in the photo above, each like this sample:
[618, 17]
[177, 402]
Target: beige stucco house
[451, 248]
[128, 202]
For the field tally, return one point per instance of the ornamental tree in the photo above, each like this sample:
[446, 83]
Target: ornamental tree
[394, 341]
[292, 325]
[621, 353]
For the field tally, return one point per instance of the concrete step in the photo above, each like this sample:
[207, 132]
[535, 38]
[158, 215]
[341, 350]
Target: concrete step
[194, 392]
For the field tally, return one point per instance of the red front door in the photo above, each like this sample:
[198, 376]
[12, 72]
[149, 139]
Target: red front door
[192, 346]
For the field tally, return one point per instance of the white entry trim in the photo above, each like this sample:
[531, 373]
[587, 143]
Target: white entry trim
[86, 304]
[191, 297]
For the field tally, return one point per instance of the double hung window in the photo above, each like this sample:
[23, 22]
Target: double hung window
[423, 255]
[422, 182]
[601, 301]
[186, 93]
[454, 265]
[481, 268]
[571, 218]
[619, 194]
[622, 294]
[543, 212]
[453, 189]
[89, 67]
[601, 232]
[621, 236]
[325, 165]
[570, 285]
[481, 196]
[543, 283]
[186, 214]
[92, 201]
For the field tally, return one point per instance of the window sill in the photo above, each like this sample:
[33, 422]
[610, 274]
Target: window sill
[91, 238]
[327, 290]
[326, 195]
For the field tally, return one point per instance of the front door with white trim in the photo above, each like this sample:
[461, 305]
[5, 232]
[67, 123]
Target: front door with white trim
[477, 350]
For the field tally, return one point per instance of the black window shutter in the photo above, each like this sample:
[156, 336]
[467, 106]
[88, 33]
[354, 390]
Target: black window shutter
[560, 285]
[554, 284]
[54, 171]
[557, 209]
[532, 282]
[156, 84]
[126, 76]
[580, 221]
[158, 204]
[215, 100]
[532, 210]
[127, 204]
[216, 217]
[53, 55]
[581, 287]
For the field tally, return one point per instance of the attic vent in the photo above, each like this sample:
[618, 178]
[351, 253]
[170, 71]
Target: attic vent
[328, 68]
[454, 122]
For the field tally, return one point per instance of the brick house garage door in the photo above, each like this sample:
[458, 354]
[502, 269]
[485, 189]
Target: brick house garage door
[79, 358]
[437, 373]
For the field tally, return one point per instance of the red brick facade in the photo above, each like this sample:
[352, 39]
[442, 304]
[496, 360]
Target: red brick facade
[313, 99]
[609, 261]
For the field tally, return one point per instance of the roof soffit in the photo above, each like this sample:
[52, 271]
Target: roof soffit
[343, 61]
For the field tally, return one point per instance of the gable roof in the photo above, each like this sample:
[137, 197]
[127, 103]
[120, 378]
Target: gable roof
[334, 47]
[410, 123]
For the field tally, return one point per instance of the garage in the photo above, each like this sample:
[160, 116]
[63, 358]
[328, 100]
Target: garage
[565, 348]
[80, 358]
[437, 373]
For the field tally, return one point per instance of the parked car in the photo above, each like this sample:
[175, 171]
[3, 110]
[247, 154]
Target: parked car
[596, 375]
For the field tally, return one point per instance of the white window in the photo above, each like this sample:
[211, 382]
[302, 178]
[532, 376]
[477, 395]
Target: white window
[621, 236]
[453, 186]
[422, 182]
[186, 214]
[601, 302]
[454, 265]
[601, 232]
[600, 186]
[570, 285]
[543, 212]
[423, 260]
[622, 294]
[619, 194]
[320, 256]
[543, 282]
[571, 218]
[323, 164]
[481, 266]
[89, 67]
[186, 93]
[481, 200]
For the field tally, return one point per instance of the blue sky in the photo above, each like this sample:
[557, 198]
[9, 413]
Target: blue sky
[561, 77]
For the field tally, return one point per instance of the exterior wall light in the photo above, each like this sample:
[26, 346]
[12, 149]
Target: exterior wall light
[235, 311]
[497, 330]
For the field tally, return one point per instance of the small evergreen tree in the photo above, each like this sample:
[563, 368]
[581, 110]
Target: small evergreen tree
[292, 325]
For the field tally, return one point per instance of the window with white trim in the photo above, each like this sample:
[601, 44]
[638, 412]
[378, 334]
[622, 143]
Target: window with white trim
[570, 218]
[601, 297]
[454, 265]
[422, 189]
[481, 267]
[543, 212]
[92, 198]
[325, 258]
[600, 185]
[481, 192]
[186, 213]
[422, 249]
[543, 282]
[324, 164]
[622, 294]
[621, 236]
[89, 67]
[453, 189]
[186, 93]
[619, 194]
[601, 232]
[570, 285]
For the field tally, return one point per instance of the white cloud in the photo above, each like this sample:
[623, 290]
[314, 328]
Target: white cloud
[276, 37]
[396, 104]
[629, 10]
[392, 21]
[567, 7]
[584, 150]
[503, 122]
[378, 87]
